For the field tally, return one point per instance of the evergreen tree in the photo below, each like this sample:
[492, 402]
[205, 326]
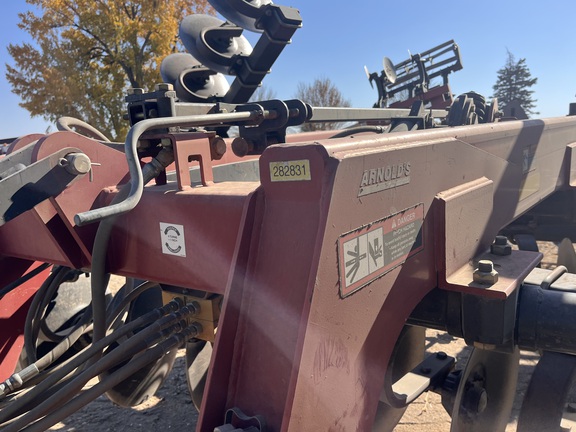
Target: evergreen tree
[513, 83]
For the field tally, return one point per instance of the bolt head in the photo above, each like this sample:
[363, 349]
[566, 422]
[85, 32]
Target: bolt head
[164, 87]
[475, 400]
[218, 147]
[501, 240]
[441, 355]
[500, 246]
[77, 163]
[485, 266]
[485, 273]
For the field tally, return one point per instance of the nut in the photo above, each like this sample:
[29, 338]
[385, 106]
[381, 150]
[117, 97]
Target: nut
[485, 273]
[217, 147]
[164, 87]
[500, 246]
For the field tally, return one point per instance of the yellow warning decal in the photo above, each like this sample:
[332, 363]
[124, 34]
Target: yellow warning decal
[295, 170]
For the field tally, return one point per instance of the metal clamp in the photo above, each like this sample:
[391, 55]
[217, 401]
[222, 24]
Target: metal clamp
[237, 421]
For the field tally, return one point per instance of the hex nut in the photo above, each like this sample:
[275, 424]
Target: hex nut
[164, 87]
[485, 273]
[500, 246]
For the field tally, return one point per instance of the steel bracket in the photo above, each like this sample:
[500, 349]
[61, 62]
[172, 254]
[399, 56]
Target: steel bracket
[429, 374]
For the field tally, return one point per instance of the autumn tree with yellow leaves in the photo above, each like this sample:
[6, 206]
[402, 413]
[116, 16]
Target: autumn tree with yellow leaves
[87, 53]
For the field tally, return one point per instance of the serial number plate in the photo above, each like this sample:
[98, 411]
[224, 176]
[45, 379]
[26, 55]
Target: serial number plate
[296, 170]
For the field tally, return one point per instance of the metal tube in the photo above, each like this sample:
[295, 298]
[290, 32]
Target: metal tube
[330, 114]
[131, 150]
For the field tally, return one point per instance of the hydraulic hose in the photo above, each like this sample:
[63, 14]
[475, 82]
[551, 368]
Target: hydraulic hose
[39, 302]
[143, 341]
[113, 380]
[359, 129]
[56, 376]
[114, 310]
[99, 280]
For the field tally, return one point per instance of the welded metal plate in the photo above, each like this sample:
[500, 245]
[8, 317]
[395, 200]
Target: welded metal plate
[371, 251]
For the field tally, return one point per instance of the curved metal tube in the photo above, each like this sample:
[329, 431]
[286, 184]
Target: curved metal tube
[66, 123]
[131, 149]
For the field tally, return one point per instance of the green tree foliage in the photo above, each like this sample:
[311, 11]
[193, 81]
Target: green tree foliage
[87, 53]
[321, 93]
[513, 82]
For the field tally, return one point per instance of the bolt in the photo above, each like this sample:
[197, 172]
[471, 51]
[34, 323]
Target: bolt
[475, 399]
[76, 163]
[218, 147]
[241, 147]
[500, 240]
[500, 246]
[485, 266]
[135, 91]
[164, 87]
[485, 273]
[441, 355]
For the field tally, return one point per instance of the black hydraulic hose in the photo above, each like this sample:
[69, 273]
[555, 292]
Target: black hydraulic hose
[357, 130]
[50, 400]
[99, 279]
[41, 298]
[22, 280]
[142, 341]
[46, 380]
[114, 310]
[63, 370]
[112, 380]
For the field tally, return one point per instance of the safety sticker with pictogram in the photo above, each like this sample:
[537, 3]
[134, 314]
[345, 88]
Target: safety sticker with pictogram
[372, 250]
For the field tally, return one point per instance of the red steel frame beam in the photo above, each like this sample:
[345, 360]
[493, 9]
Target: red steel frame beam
[322, 262]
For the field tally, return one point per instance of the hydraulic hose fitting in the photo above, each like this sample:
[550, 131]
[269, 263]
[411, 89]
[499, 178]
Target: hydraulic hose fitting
[18, 379]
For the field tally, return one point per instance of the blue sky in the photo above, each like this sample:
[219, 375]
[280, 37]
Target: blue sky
[337, 39]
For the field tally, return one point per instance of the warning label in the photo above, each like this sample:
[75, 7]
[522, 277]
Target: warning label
[373, 250]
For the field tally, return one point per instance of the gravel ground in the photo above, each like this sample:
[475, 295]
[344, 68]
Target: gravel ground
[172, 409]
